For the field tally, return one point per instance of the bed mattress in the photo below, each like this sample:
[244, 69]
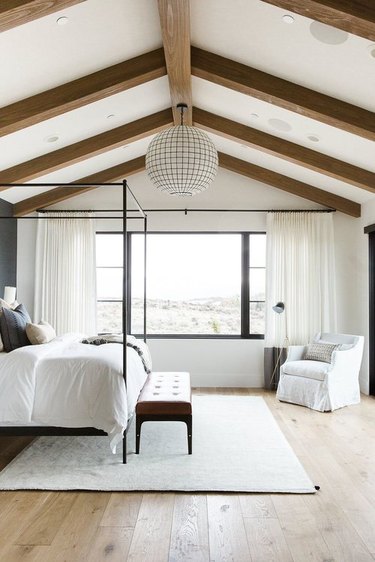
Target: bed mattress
[69, 384]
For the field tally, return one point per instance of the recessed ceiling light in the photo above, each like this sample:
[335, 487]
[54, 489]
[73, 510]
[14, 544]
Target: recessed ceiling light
[313, 138]
[327, 34]
[287, 18]
[62, 21]
[111, 116]
[51, 138]
[254, 116]
[371, 50]
[280, 125]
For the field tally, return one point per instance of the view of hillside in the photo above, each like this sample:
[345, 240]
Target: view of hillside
[196, 316]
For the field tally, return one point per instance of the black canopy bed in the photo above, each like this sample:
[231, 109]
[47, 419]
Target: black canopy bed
[125, 358]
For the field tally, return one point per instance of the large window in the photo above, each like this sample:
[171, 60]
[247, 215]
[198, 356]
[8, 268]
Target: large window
[198, 285]
[193, 284]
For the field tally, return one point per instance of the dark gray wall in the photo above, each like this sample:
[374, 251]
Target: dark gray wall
[8, 247]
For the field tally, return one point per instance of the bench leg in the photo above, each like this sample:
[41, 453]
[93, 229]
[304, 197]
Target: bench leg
[189, 425]
[188, 419]
[138, 426]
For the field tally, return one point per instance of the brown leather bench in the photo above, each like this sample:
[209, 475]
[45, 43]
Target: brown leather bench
[165, 397]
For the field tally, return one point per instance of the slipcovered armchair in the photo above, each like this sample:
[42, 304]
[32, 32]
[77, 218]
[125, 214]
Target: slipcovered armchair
[323, 377]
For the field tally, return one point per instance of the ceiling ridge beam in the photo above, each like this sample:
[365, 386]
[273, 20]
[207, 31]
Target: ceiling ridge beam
[92, 146]
[285, 94]
[80, 92]
[17, 12]
[286, 150]
[290, 185]
[31, 204]
[175, 29]
[356, 17]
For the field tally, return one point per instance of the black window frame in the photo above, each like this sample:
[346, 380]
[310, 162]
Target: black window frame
[245, 287]
[118, 232]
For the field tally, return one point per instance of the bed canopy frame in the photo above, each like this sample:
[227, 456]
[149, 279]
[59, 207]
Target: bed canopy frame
[126, 214]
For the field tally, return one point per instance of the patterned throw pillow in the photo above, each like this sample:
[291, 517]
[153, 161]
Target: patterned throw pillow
[320, 351]
[13, 327]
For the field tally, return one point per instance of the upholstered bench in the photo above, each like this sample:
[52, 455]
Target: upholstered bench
[165, 397]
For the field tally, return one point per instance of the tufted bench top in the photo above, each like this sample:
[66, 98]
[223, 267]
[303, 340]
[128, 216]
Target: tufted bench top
[165, 393]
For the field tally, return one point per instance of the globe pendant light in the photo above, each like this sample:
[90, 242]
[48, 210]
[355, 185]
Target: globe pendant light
[182, 160]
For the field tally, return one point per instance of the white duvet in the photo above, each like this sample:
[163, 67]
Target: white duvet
[69, 384]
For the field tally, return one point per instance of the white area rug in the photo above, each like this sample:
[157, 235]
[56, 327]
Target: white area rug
[237, 447]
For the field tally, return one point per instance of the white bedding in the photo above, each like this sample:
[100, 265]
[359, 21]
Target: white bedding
[69, 384]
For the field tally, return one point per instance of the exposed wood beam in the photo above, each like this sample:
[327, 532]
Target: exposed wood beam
[175, 29]
[225, 161]
[277, 91]
[59, 194]
[286, 150]
[78, 93]
[18, 12]
[356, 17]
[87, 148]
[290, 185]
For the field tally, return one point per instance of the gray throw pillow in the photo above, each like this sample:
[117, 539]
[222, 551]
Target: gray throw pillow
[320, 351]
[13, 327]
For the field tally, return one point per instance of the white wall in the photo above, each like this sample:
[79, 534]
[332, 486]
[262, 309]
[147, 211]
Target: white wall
[218, 362]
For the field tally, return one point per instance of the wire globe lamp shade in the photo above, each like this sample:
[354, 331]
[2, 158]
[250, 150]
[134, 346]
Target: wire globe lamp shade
[182, 161]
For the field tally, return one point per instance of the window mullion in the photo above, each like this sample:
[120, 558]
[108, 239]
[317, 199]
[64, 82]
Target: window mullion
[245, 290]
[129, 283]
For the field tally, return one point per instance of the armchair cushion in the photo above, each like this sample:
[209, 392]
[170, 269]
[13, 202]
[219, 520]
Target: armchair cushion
[320, 351]
[307, 369]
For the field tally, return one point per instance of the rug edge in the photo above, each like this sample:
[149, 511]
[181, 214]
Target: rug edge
[151, 490]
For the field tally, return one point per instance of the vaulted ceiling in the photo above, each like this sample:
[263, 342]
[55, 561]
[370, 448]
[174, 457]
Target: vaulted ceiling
[284, 88]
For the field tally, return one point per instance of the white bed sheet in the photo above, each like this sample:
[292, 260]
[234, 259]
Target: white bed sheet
[68, 384]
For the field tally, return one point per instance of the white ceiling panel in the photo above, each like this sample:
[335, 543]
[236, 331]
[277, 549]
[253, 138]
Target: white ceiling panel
[99, 33]
[241, 108]
[252, 32]
[79, 170]
[84, 122]
[289, 169]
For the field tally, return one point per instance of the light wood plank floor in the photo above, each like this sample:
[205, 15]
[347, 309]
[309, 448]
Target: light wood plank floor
[337, 524]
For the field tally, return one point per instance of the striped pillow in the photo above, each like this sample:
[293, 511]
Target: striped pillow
[13, 327]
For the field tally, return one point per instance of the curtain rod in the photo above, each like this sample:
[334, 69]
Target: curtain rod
[186, 211]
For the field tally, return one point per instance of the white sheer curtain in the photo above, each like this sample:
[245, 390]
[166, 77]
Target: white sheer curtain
[301, 273]
[65, 281]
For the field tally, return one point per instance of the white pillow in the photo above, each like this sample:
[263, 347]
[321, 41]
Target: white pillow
[40, 333]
